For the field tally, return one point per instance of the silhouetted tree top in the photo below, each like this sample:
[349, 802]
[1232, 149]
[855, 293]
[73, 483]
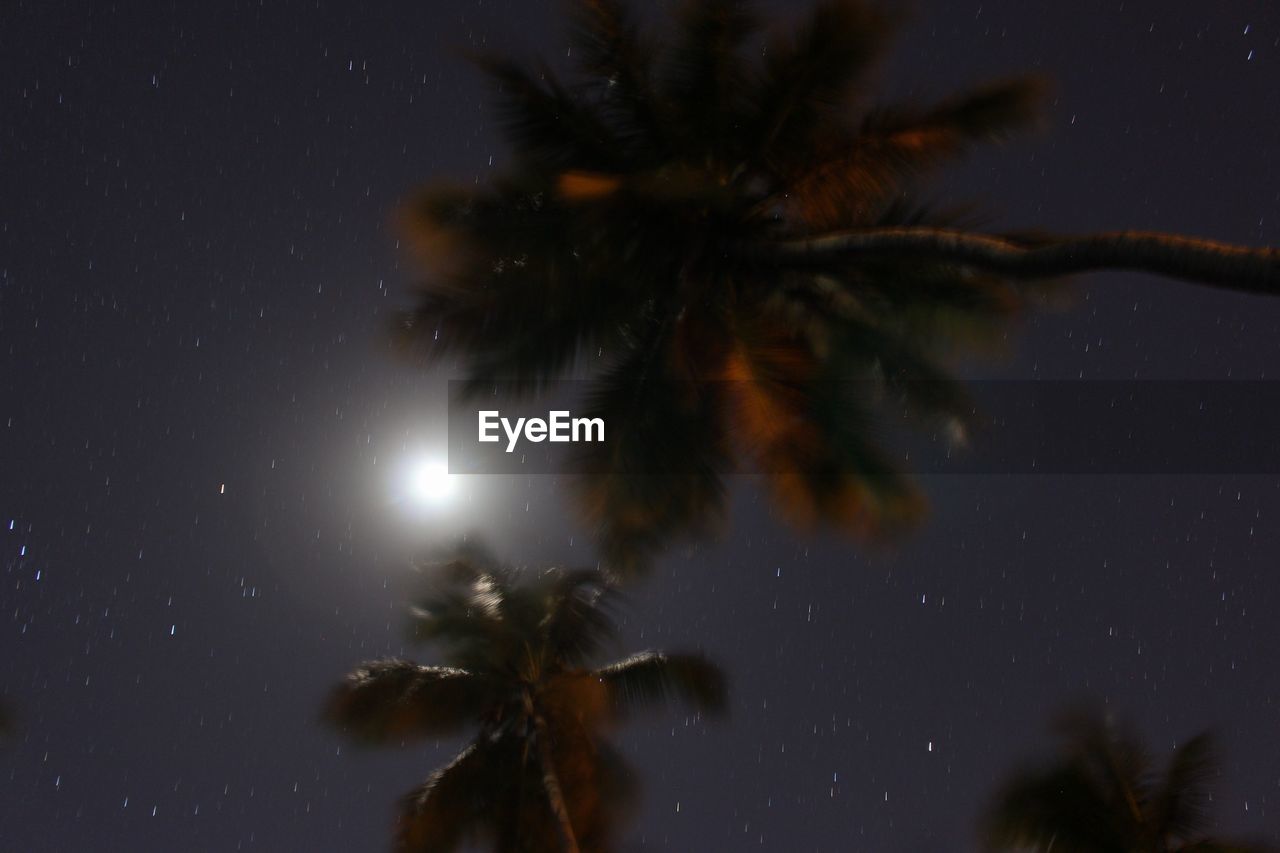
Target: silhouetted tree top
[723, 202]
[521, 671]
[1104, 794]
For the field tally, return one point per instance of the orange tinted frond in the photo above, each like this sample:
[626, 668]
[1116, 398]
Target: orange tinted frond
[771, 394]
[766, 414]
[436, 244]
[587, 186]
[769, 372]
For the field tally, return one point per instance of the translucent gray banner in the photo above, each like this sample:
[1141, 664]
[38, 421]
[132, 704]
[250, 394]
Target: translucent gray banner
[1004, 427]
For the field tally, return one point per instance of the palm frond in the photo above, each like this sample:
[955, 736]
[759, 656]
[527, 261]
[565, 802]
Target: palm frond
[659, 475]
[392, 700]
[579, 617]
[606, 40]
[452, 806]
[1057, 809]
[516, 292]
[871, 168]
[655, 677]
[989, 113]
[1179, 807]
[463, 596]
[863, 348]
[1113, 755]
[705, 74]
[617, 62]
[808, 77]
[546, 123]
[478, 614]
[911, 379]
[814, 434]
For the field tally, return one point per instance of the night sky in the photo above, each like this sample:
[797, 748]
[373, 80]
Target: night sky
[203, 437]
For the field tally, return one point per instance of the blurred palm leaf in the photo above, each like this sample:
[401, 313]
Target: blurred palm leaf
[654, 677]
[392, 700]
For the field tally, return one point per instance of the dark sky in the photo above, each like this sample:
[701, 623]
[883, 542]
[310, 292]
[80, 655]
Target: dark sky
[200, 432]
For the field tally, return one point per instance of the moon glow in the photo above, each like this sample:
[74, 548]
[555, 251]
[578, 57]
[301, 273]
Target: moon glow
[430, 483]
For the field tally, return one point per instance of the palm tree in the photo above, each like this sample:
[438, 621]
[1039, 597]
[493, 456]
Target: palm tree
[1104, 795]
[539, 774]
[719, 228]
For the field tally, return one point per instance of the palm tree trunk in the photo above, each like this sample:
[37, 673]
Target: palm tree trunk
[1241, 268]
[550, 781]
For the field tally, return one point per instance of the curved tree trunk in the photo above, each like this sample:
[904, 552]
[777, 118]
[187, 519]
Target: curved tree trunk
[1252, 270]
[550, 781]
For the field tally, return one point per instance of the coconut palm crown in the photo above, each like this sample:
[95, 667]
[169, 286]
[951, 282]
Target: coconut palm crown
[1105, 795]
[721, 228]
[539, 774]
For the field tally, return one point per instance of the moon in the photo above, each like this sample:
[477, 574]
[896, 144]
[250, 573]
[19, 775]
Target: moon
[429, 483]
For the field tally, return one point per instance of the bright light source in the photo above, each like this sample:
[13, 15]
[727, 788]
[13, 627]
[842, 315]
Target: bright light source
[431, 483]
